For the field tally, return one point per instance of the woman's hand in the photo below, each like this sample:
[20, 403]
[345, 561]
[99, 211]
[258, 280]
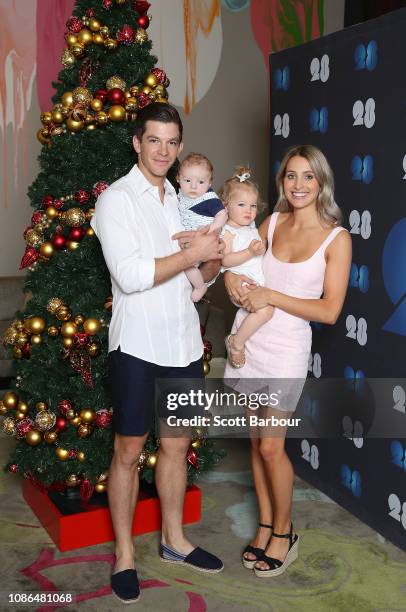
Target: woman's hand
[236, 286]
[256, 299]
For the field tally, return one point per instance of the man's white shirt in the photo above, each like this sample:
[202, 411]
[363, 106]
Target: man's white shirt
[158, 323]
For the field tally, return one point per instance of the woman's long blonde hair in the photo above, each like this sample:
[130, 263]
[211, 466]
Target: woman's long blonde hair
[328, 211]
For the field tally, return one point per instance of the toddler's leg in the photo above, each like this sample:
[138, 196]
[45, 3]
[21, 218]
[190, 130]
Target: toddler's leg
[199, 286]
[252, 322]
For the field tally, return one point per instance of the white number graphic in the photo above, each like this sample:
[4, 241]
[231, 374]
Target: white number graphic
[315, 364]
[364, 114]
[353, 431]
[320, 69]
[357, 330]
[399, 397]
[397, 509]
[281, 125]
[310, 454]
[360, 224]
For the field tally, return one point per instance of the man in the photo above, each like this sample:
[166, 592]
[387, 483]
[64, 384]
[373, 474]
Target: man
[154, 333]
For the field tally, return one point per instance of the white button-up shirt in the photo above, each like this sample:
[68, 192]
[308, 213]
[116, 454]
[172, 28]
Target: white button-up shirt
[158, 323]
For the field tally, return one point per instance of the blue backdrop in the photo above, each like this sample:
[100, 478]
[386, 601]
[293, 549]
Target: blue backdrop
[346, 93]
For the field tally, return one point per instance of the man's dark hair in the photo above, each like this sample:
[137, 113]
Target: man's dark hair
[157, 111]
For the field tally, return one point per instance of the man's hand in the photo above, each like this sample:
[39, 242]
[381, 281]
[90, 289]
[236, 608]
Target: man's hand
[256, 248]
[200, 245]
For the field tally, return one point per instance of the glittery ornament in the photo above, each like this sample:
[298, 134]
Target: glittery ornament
[81, 95]
[13, 468]
[143, 100]
[126, 35]
[9, 426]
[53, 304]
[160, 75]
[82, 196]
[104, 418]
[74, 25]
[116, 81]
[98, 188]
[141, 36]
[64, 406]
[23, 427]
[74, 217]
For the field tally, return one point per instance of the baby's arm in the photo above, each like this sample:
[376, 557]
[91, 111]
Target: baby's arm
[231, 259]
[219, 221]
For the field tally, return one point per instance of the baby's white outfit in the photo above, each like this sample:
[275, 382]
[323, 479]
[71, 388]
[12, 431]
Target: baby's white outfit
[243, 236]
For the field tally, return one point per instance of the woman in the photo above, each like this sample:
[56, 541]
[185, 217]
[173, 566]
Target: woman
[308, 256]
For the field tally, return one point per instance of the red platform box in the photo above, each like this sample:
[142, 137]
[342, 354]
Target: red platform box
[93, 526]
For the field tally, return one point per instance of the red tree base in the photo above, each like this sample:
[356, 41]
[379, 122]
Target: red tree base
[94, 525]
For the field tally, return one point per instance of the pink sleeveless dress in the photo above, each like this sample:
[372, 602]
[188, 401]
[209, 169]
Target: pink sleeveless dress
[281, 347]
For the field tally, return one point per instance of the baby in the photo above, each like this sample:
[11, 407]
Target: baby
[243, 253]
[199, 206]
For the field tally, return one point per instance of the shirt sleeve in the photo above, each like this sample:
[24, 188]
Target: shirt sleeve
[208, 208]
[120, 244]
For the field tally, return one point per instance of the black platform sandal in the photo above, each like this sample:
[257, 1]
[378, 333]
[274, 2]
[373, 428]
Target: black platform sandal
[258, 552]
[276, 566]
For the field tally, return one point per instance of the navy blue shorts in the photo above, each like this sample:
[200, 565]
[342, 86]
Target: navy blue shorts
[139, 390]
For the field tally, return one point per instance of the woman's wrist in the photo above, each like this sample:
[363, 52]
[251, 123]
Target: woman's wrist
[271, 297]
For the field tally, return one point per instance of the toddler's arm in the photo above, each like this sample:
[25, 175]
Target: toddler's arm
[231, 259]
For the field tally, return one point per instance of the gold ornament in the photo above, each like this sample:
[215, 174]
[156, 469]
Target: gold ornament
[94, 24]
[20, 415]
[21, 339]
[33, 437]
[10, 400]
[68, 342]
[78, 113]
[53, 331]
[96, 104]
[70, 414]
[36, 339]
[110, 43]
[19, 325]
[90, 213]
[79, 319]
[84, 431]
[43, 136]
[62, 313]
[100, 487]
[9, 426]
[89, 121]
[74, 217]
[151, 80]
[141, 36]
[151, 461]
[22, 407]
[45, 420]
[116, 81]
[35, 325]
[52, 213]
[46, 249]
[92, 326]
[67, 59]
[68, 329]
[93, 349]
[41, 406]
[104, 31]
[53, 304]
[9, 336]
[146, 90]
[50, 437]
[67, 99]
[89, 231]
[46, 118]
[81, 95]
[131, 105]
[57, 131]
[62, 453]
[76, 420]
[73, 125]
[72, 245]
[121, 2]
[81, 456]
[102, 118]
[87, 415]
[77, 49]
[116, 113]
[17, 352]
[72, 480]
[134, 90]
[196, 444]
[71, 39]
[160, 90]
[206, 367]
[103, 477]
[33, 238]
[98, 38]
[85, 36]
[3, 409]
[57, 116]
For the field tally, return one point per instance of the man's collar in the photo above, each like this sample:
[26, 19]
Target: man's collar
[143, 184]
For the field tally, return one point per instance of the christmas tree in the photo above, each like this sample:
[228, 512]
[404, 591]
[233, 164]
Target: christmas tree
[59, 409]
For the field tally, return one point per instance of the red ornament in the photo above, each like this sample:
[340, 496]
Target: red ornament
[208, 347]
[36, 217]
[26, 350]
[192, 458]
[60, 424]
[58, 203]
[23, 427]
[107, 4]
[90, 13]
[143, 21]
[115, 95]
[58, 242]
[126, 35]
[74, 25]
[72, 454]
[143, 100]
[141, 6]
[64, 406]
[86, 490]
[76, 234]
[103, 418]
[160, 75]
[13, 468]
[98, 188]
[29, 257]
[47, 200]
[82, 196]
[101, 94]
[81, 339]
[26, 230]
